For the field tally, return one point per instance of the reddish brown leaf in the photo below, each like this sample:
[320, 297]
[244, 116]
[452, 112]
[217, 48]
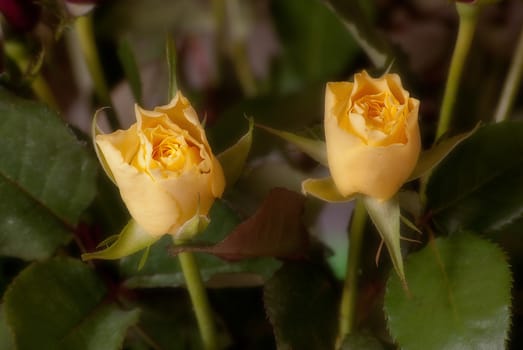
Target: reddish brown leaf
[276, 230]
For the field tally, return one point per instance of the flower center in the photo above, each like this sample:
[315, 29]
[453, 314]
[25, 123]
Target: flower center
[173, 150]
[169, 150]
[375, 118]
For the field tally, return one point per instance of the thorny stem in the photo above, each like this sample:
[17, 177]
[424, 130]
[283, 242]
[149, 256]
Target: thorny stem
[347, 312]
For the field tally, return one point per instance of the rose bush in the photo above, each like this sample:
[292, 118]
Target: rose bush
[164, 167]
[372, 134]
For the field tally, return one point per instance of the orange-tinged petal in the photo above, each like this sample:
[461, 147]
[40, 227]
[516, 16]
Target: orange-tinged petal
[372, 135]
[164, 167]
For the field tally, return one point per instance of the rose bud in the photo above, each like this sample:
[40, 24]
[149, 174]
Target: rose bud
[372, 135]
[164, 167]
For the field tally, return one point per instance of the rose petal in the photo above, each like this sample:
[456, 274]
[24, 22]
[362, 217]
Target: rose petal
[148, 203]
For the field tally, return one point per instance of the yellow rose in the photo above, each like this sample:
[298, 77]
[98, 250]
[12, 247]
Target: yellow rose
[372, 135]
[164, 167]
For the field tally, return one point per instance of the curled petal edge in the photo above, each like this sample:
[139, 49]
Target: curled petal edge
[95, 131]
[325, 189]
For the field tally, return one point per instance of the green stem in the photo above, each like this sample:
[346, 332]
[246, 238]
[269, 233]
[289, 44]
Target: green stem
[347, 313]
[19, 54]
[170, 51]
[199, 300]
[84, 30]
[189, 265]
[468, 15]
[511, 83]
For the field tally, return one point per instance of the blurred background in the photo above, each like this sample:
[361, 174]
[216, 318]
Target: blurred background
[266, 59]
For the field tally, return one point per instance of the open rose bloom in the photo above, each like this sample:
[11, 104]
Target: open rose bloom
[372, 135]
[164, 167]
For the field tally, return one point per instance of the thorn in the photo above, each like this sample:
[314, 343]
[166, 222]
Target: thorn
[378, 253]
[406, 288]
[410, 240]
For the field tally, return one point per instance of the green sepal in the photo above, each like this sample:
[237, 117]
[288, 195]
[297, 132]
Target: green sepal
[198, 223]
[430, 158]
[132, 239]
[315, 149]
[410, 224]
[386, 217]
[324, 189]
[233, 158]
[95, 131]
[143, 259]
[108, 241]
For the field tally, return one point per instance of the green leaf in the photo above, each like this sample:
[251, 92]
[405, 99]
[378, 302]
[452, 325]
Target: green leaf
[301, 300]
[59, 304]
[432, 157]
[315, 149]
[459, 296]
[131, 240]
[324, 189]
[168, 321]
[47, 179]
[163, 270]
[478, 186]
[105, 329]
[275, 230]
[386, 217]
[233, 158]
[130, 68]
